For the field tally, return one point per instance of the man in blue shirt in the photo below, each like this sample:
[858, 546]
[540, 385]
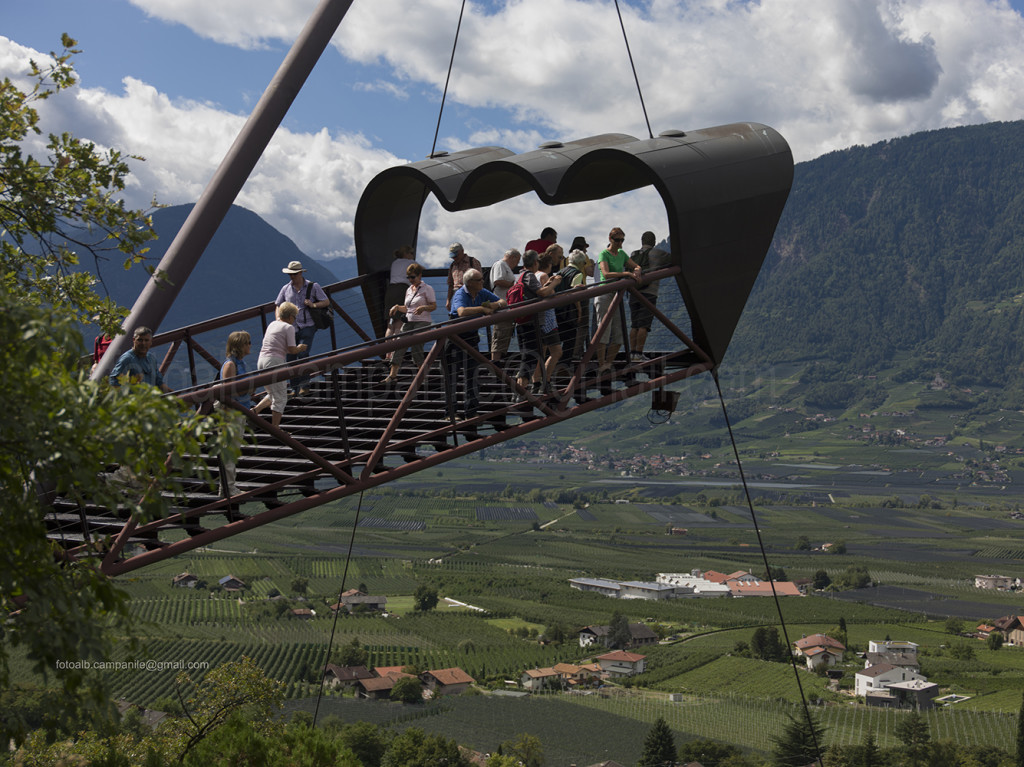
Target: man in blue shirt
[139, 364]
[471, 300]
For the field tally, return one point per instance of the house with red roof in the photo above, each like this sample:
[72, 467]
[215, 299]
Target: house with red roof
[1012, 628]
[346, 676]
[534, 679]
[759, 588]
[621, 663]
[819, 651]
[379, 685]
[446, 681]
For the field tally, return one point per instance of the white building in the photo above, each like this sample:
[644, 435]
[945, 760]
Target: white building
[691, 585]
[879, 677]
[1000, 582]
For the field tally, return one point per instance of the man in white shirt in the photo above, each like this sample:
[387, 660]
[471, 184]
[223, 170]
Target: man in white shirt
[502, 278]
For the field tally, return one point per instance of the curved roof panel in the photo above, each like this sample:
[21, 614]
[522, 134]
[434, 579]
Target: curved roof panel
[724, 189]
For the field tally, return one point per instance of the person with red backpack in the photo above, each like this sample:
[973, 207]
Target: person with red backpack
[538, 331]
[99, 348]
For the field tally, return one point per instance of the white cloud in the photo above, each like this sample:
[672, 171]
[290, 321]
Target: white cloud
[306, 185]
[827, 75]
[242, 23]
[382, 86]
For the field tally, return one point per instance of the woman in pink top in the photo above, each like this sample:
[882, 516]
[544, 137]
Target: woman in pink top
[419, 303]
[278, 341]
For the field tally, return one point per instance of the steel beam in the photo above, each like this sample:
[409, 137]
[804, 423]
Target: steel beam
[202, 223]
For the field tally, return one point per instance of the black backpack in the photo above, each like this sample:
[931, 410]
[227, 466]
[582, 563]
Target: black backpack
[568, 274]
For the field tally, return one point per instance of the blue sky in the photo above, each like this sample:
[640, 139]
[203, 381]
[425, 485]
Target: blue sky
[174, 80]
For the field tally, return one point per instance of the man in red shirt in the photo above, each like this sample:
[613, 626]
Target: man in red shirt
[547, 238]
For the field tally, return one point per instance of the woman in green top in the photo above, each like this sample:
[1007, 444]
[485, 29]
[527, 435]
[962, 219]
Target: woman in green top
[614, 264]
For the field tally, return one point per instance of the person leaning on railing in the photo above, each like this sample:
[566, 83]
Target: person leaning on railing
[614, 264]
[471, 300]
[420, 301]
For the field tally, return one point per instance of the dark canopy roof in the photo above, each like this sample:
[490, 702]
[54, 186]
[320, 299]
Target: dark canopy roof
[723, 189]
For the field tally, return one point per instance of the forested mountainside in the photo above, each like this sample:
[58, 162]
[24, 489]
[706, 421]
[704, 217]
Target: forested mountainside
[911, 250]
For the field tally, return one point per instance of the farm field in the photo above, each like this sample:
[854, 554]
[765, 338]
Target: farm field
[501, 561]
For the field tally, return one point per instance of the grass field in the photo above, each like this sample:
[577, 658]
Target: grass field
[817, 483]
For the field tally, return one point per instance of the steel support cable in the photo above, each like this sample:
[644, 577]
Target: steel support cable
[629, 53]
[768, 570]
[448, 78]
[334, 624]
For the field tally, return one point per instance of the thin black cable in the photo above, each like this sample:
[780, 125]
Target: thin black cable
[444, 95]
[768, 571]
[633, 66]
[334, 625]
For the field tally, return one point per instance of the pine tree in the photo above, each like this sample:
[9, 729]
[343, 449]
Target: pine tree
[871, 755]
[659, 746]
[913, 733]
[799, 743]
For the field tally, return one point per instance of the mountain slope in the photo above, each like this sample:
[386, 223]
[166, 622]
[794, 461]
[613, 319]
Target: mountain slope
[241, 267]
[911, 248]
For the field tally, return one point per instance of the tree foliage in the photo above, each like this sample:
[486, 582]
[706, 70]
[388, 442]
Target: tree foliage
[659, 746]
[821, 580]
[65, 430]
[414, 748]
[765, 644]
[921, 273]
[912, 732]
[524, 749]
[799, 744]
[351, 654]
[425, 598]
[408, 690]
[619, 635]
[236, 687]
[57, 208]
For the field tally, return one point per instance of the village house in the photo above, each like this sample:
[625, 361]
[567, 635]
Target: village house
[380, 684]
[918, 694]
[346, 676]
[535, 679]
[872, 683]
[184, 581]
[819, 651]
[621, 663]
[693, 585]
[446, 681]
[303, 613]
[354, 598]
[645, 590]
[1012, 629]
[639, 635]
[231, 583]
[896, 653]
[744, 584]
[1000, 582]
[984, 630]
[600, 585]
[759, 588]
[573, 675]
[377, 687]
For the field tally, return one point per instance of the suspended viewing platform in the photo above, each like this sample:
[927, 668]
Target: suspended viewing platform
[723, 189]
